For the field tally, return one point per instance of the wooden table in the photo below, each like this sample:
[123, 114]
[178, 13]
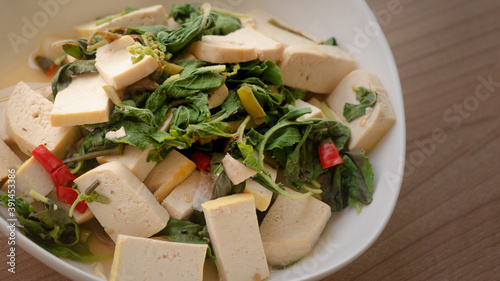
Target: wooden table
[446, 225]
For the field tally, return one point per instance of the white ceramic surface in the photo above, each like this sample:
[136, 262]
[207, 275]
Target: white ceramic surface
[348, 234]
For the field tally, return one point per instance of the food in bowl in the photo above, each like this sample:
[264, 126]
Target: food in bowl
[176, 128]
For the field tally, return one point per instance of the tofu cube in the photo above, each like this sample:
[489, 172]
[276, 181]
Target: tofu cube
[132, 210]
[3, 125]
[261, 22]
[316, 112]
[8, 160]
[32, 175]
[114, 63]
[315, 68]
[84, 101]
[167, 174]
[179, 203]
[28, 123]
[368, 129]
[235, 170]
[234, 231]
[138, 258]
[154, 15]
[135, 160]
[261, 194]
[242, 45]
[291, 228]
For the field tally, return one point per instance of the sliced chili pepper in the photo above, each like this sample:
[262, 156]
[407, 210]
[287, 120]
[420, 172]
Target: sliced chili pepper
[68, 196]
[48, 160]
[63, 177]
[328, 154]
[201, 160]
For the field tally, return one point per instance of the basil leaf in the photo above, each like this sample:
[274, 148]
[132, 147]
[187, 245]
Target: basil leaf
[367, 98]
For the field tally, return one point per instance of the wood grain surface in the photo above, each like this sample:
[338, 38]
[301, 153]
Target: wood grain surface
[446, 225]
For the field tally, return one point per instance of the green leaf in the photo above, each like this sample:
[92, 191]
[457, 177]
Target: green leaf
[22, 206]
[224, 24]
[78, 49]
[177, 40]
[51, 228]
[62, 79]
[358, 191]
[364, 165]
[284, 137]
[267, 71]
[205, 130]
[250, 158]
[330, 41]
[324, 129]
[291, 94]
[333, 192]
[141, 114]
[367, 98]
[184, 12]
[187, 232]
[153, 29]
[138, 134]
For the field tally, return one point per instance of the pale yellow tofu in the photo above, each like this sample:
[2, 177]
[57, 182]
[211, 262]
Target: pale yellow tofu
[261, 22]
[261, 194]
[3, 125]
[234, 232]
[217, 96]
[241, 45]
[291, 228]
[132, 209]
[315, 68]
[167, 174]
[138, 258]
[235, 170]
[315, 111]
[314, 101]
[28, 123]
[134, 158]
[84, 101]
[179, 203]
[366, 130]
[44, 91]
[32, 175]
[114, 63]
[154, 15]
[8, 160]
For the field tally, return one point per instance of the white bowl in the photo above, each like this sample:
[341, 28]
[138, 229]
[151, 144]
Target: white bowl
[347, 234]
